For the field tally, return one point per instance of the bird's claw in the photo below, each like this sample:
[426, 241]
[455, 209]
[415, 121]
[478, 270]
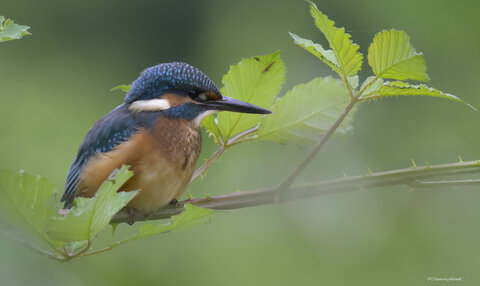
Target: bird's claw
[131, 216]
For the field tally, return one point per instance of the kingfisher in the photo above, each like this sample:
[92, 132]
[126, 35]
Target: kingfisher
[155, 131]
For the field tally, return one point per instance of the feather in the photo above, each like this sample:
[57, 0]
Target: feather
[110, 131]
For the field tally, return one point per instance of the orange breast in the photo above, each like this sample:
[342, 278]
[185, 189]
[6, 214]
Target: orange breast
[163, 160]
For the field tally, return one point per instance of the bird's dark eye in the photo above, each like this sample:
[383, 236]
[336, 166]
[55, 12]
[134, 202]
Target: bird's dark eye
[198, 95]
[192, 93]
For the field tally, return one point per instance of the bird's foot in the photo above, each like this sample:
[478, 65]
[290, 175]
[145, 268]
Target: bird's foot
[64, 211]
[131, 216]
[173, 203]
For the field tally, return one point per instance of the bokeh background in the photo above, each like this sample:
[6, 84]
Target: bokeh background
[56, 83]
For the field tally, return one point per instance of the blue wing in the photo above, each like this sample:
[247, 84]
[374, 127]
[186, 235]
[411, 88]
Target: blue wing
[113, 129]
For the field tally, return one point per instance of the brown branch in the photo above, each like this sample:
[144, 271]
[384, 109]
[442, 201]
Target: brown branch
[407, 176]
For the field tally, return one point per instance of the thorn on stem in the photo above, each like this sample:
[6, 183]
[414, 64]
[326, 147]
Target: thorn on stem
[369, 171]
[114, 228]
[413, 163]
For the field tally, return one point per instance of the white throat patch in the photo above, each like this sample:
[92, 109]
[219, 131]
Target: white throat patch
[201, 116]
[149, 105]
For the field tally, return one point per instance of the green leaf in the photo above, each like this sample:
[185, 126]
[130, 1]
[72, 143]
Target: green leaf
[346, 52]
[327, 56]
[306, 112]
[192, 216]
[212, 128]
[256, 80]
[91, 215]
[353, 81]
[11, 31]
[74, 246]
[371, 85]
[397, 88]
[27, 202]
[391, 55]
[124, 88]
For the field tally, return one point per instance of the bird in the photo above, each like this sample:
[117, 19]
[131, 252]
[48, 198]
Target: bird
[156, 132]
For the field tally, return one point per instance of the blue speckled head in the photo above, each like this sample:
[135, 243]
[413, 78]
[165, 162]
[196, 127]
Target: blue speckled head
[168, 77]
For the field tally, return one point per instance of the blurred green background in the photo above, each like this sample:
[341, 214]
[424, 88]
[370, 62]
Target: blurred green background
[55, 84]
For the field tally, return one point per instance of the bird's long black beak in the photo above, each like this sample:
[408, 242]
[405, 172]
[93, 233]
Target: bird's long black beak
[235, 105]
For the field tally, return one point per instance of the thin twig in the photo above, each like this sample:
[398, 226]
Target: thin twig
[360, 93]
[81, 252]
[446, 183]
[349, 87]
[370, 97]
[241, 135]
[239, 138]
[242, 140]
[96, 251]
[207, 163]
[236, 200]
[288, 181]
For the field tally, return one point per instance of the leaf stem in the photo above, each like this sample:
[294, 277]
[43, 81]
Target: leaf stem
[349, 87]
[370, 97]
[96, 251]
[241, 135]
[360, 93]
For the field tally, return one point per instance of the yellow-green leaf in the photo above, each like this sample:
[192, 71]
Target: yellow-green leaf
[371, 85]
[91, 215]
[346, 52]
[391, 55]
[192, 216]
[398, 88]
[212, 128]
[256, 80]
[327, 56]
[124, 87]
[306, 112]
